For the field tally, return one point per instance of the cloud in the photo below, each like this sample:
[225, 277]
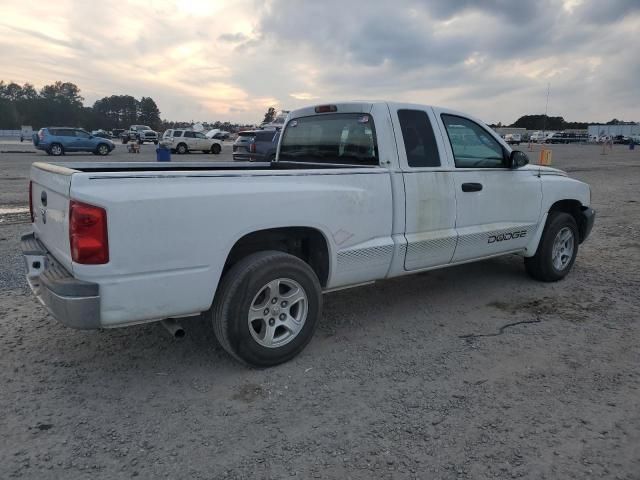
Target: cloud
[238, 37]
[230, 60]
[303, 96]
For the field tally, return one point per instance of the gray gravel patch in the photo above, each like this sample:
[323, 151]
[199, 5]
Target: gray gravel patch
[392, 385]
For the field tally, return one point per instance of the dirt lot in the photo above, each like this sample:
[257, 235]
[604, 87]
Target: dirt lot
[387, 388]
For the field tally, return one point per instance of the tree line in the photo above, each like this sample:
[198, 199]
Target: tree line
[61, 104]
[544, 122]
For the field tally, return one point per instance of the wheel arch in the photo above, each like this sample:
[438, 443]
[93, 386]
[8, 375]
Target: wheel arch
[574, 208]
[307, 243]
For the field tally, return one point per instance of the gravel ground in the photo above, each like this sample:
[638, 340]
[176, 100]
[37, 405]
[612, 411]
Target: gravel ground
[390, 387]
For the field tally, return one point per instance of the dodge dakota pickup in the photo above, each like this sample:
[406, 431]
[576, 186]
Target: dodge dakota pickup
[359, 192]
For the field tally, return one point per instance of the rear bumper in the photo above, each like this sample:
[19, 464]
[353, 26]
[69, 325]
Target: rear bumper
[245, 157]
[588, 219]
[73, 302]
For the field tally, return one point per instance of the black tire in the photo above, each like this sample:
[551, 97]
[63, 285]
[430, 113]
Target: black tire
[182, 148]
[216, 149]
[541, 265]
[56, 150]
[238, 289]
[102, 149]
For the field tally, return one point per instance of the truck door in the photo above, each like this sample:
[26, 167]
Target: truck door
[430, 212]
[497, 208]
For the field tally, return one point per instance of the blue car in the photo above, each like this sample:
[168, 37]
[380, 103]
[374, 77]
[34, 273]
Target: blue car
[57, 141]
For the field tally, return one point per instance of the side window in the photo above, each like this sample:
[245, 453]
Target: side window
[472, 145]
[200, 135]
[189, 135]
[82, 134]
[419, 140]
[177, 133]
[65, 132]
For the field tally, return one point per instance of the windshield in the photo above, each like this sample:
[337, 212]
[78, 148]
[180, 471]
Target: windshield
[345, 138]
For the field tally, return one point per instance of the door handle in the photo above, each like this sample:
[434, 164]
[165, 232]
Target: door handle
[471, 187]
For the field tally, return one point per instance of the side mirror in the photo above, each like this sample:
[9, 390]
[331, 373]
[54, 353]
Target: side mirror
[518, 159]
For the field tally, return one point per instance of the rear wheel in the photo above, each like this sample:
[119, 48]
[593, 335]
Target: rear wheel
[182, 149]
[557, 250]
[266, 308]
[56, 150]
[215, 149]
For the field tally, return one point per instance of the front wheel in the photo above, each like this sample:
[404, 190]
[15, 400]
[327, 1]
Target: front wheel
[56, 150]
[557, 250]
[182, 149]
[215, 149]
[267, 308]
[102, 149]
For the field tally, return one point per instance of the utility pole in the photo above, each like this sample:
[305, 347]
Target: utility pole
[546, 109]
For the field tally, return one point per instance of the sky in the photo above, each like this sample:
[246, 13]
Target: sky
[212, 60]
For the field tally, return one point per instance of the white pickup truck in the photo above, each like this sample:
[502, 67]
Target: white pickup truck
[359, 192]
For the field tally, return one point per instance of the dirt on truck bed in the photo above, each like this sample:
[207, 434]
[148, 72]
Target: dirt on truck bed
[473, 372]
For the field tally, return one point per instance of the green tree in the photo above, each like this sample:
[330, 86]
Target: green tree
[270, 116]
[64, 92]
[149, 113]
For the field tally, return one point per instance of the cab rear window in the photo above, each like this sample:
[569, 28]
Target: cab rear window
[343, 138]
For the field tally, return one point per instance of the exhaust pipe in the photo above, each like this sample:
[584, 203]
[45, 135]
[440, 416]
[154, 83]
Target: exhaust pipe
[173, 327]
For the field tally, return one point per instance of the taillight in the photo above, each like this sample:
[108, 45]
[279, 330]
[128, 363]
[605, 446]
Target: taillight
[31, 200]
[88, 234]
[41, 134]
[326, 108]
[252, 147]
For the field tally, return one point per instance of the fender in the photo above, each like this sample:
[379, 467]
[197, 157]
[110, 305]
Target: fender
[532, 246]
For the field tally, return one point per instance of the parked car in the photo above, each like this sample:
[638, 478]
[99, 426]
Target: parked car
[568, 137]
[60, 140]
[101, 134]
[140, 134]
[222, 135]
[621, 140]
[360, 192]
[256, 145]
[513, 138]
[184, 141]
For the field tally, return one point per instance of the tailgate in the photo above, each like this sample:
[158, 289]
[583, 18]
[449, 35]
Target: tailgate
[50, 199]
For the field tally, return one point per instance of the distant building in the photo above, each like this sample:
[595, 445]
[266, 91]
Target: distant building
[614, 130]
